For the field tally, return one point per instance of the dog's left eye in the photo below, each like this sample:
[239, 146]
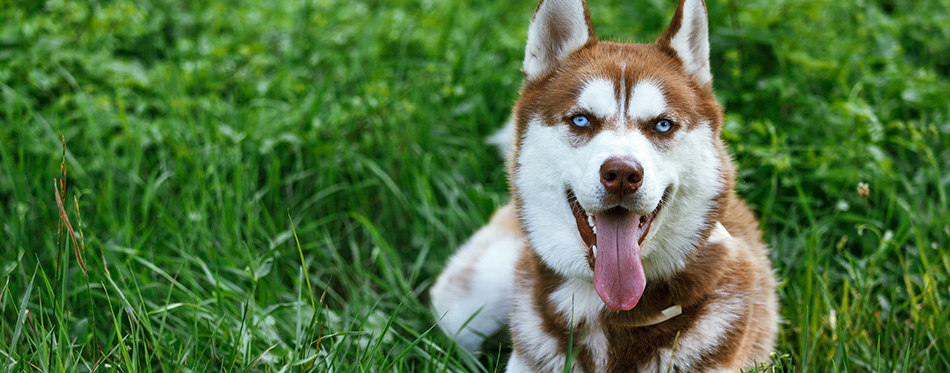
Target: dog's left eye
[663, 125]
[580, 121]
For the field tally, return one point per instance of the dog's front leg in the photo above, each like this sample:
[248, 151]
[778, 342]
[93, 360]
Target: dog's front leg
[472, 295]
[516, 364]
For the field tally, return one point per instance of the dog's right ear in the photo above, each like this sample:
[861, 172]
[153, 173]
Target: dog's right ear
[688, 38]
[559, 28]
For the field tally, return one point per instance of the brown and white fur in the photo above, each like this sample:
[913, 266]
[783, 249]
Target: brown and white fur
[685, 283]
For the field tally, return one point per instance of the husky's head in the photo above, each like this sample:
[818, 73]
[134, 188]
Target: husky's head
[618, 164]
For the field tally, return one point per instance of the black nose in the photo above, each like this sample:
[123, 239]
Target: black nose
[621, 175]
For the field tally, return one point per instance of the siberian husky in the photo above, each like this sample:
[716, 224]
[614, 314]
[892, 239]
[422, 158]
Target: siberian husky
[624, 245]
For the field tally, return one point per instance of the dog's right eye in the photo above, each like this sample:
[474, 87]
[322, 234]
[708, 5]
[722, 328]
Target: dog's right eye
[580, 121]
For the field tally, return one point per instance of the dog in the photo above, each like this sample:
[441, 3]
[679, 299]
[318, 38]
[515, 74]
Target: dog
[624, 247]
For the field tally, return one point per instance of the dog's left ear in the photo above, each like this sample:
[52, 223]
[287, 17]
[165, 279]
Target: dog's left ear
[688, 37]
[559, 28]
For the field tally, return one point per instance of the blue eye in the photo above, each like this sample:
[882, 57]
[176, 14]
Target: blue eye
[663, 125]
[580, 121]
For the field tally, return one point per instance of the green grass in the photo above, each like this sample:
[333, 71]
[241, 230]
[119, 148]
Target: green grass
[273, 185]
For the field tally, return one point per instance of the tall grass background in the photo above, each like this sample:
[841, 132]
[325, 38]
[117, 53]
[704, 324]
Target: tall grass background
[273, 185]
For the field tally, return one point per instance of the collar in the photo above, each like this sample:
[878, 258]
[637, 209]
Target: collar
[719, 233]
[668, 313]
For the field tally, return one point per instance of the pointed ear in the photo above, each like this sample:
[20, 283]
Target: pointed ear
[559, 28]
[688, 37]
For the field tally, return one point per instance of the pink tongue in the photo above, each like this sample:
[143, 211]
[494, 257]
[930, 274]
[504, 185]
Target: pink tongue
[618, 273]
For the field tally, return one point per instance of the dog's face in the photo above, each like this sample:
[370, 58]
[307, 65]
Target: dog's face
[618, 158]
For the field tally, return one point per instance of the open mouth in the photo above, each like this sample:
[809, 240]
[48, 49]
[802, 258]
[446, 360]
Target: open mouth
[613, 238]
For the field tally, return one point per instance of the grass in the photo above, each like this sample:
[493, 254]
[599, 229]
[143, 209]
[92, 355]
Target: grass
[272, 186]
